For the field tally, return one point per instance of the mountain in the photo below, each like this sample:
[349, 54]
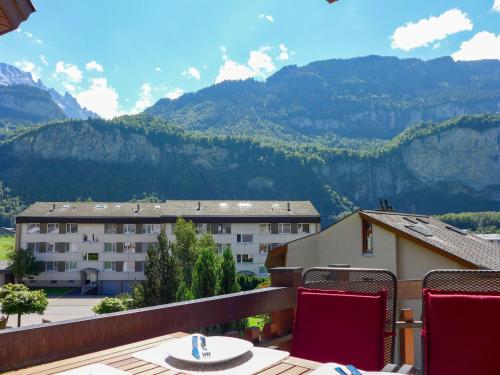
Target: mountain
[367, 97]
[12, 76]
[450, 166]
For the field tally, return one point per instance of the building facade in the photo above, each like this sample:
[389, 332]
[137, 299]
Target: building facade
[104, 245]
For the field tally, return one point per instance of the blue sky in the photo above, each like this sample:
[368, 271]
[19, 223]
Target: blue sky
[120, 56]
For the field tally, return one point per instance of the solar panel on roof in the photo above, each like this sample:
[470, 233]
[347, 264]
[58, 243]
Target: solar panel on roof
[455, 229]
[410, 219]
[420, 229]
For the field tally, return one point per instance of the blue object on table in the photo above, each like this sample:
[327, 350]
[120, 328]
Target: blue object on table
[353, 370]
[195, 352]
[340, 371]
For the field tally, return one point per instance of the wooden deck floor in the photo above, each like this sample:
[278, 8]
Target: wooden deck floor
[121, 357]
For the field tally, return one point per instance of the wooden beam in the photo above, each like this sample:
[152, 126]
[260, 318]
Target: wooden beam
[409, 289]
[32, 345]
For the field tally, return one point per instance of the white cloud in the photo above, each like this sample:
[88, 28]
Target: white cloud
[29, 35]
[174, 94]
[44, 60]
[428, 30]
[436, 45]
[496, 6]
[261, 63]
[68, 72]
[267, 17]
[100, 98]
[30, 67]
[223, 49]
[483, 45]
[38, 41]
[145, 99]
[284, 55]
[158, 69]
[192, 72]
[94, 65]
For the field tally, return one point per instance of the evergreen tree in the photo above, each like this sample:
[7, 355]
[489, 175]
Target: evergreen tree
[206, 272]
[228, 281]
[184, 248]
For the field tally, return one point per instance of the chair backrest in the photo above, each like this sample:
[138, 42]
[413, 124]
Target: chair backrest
[364, 280]
[463, 309]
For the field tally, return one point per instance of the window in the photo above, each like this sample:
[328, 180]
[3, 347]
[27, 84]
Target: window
[139, 266]
[222, 246]
[71, 228]
[149, 229]
[128, 228]
[110, 228]
[284, 228]
[264, 228]
[110, 247]
[222, 228]
[51, 248]
[52, 228]
[71, 266]
[264, 248]
[33, 228]
[50, 266]
[34, 246]
[201, 228]
[303, 228]
[129, 247]
[62, 247]
[244, 238]
[262, 268]
[129, 266]
[110, 266]
[244, 258]
[90, 257]
[367, 238]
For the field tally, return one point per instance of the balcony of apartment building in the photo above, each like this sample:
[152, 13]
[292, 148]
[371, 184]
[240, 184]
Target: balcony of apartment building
[114, 339]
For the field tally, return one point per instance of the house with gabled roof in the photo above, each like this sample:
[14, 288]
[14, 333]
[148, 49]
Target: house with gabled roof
[409, 245]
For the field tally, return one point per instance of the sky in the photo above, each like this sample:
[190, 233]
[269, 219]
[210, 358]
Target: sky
[121, 56]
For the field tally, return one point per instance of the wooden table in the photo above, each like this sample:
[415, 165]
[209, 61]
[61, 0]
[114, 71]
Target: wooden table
[121, 357]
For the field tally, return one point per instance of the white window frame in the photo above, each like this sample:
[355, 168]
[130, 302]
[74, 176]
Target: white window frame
[69, 263]
[33, 228]
[282, 226]
[113, 247]
[54, 266]
[265, 228]
[51, 247]
[55, 228]
[239, 258]
[264, 248]
[201, 228]
[148, 229]
[70, 227]
[301, 226]
[127, 229]
[129, 247]
[241, 237]
[85, 257]
[112, 263]
[113, 226]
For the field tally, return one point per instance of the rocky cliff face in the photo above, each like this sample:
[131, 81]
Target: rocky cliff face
[454, 168]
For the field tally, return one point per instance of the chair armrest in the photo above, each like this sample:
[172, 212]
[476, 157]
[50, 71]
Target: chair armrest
[406, 369]
[390, 367]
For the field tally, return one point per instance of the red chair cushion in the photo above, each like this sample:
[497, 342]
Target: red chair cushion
[461, 332]
[342, 327]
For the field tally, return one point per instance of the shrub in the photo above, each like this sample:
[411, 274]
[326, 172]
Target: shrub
[110, 305]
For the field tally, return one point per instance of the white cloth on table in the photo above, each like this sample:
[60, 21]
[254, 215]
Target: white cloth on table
[96, 369]
[329, 369]
[253, 361]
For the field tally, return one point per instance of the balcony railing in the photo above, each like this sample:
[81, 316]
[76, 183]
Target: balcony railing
[32, 345]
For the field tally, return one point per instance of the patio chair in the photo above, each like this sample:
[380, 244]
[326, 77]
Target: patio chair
[346, 315]
[461, 326]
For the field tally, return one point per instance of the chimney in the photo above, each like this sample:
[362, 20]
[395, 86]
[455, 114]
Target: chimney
[199, 206]
[138, 207]
[53, 207]
[288, 206]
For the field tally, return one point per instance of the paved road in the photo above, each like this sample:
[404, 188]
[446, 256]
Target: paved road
[60, 308]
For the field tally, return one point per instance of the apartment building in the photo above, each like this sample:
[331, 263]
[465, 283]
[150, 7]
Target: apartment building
[104, 245]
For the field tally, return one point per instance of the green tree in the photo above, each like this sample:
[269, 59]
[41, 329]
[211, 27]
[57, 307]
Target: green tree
[23, 264]
[184, 248]
[206, 274]
[162, 275]
[110, 305]
[228, 281]
[24, 302]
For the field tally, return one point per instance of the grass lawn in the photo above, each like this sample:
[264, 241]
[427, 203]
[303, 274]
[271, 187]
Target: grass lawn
[5, 244]
[56, 291]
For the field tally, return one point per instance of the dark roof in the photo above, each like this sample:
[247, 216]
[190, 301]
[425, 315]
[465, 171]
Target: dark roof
[440, 236]
[242, 211]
